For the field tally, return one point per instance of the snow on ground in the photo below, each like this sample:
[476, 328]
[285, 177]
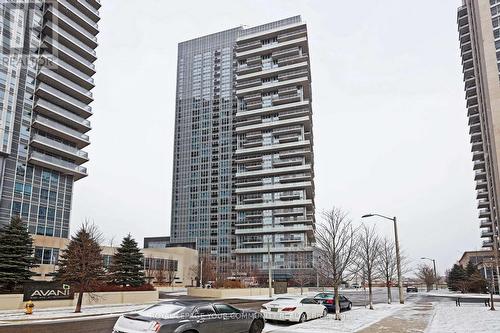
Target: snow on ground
[266, 297]
[356, 319]
[10, 316]
[451, 294]
[464, 319]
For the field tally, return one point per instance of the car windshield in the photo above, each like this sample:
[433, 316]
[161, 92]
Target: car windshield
[324, 296]
[284, 299]
[162, 310]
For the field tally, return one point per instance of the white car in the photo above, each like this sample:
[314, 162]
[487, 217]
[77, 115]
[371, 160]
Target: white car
[294, 309]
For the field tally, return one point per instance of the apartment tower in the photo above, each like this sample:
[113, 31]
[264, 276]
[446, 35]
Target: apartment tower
[479, 34]
[46, 69]
[243, 183]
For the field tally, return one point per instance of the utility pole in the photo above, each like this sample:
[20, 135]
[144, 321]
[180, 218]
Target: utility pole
[201, 273]
[270, 268]
[398, 256]
[398, 262]
[435, 272]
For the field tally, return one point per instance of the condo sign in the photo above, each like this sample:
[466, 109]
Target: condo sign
[45, 291]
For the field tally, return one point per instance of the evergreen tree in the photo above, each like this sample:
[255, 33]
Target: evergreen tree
[81, 263]
[127, 264]
[470, 269]
[455, 277]
[16, 255]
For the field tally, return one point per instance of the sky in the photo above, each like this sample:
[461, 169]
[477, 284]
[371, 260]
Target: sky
[390, 125]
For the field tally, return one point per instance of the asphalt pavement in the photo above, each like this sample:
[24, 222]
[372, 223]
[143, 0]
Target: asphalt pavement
[95, 324]
[105, 324]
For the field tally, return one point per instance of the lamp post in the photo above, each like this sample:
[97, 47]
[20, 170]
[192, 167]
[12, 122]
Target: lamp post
[435, 274]
[398, 257]
[270, 269]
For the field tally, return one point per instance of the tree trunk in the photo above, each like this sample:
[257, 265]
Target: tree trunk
[370, 293]
[78, 308]
[389, 295]
[337, 303]
[301, 289]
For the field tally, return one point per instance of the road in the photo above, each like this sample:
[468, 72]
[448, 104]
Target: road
[360, 297]
[94, 325]
[105, 324]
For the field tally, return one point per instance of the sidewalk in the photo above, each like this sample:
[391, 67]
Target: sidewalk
[413, 318]
[18, 316]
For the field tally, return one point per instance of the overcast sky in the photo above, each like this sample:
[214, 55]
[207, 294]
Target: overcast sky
[390, 125]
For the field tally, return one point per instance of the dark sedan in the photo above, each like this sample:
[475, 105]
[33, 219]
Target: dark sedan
[327, 299]
[190, 316]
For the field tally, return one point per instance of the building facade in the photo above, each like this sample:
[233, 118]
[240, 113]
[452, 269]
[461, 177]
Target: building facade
[243, 183]
[178, 265]
[48, 55]
[479, 35]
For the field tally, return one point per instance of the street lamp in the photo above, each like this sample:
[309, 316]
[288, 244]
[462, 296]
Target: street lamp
[398, 257]
[435, 274]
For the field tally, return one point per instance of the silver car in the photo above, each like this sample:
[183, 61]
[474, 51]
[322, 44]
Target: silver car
[188, 316]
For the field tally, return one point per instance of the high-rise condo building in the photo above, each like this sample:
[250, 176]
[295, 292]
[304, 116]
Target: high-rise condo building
[46, 68]
[243, 178]
[479, 33]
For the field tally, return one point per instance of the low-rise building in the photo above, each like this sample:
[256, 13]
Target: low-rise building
[170, 264]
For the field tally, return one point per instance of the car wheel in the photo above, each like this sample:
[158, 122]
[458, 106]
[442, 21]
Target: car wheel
[303, 318]
[257, 326]
[325, 312]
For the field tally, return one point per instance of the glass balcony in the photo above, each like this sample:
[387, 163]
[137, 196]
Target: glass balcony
[58, 129]
[73, 25]
[85, 21]
[57, 111]
[62, 148]
[88, 52]
[75, 58]
[71, 103]
[68, 86]
[55, 163]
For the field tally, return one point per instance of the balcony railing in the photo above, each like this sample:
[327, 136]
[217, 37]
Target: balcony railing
[67, 82]
[61, 127]
[63, 112]
[71, 38]
[70, 53]
[73, 24]
[61, 146]
[65, 97]
[75, 11]
[69, 68]
[57, 161]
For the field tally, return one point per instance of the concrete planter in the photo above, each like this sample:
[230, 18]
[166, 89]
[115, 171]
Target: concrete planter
[15, 301]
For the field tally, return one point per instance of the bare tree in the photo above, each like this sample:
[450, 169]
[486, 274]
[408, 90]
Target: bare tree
[387, 265]
[81, 263]
[426, 274]
[336, 242]
[194, 273]
[368, 253]
[303, 273]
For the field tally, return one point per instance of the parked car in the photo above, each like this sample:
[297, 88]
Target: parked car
[190, 316]
[355, 285]
[293, 309]
[411, 289]
[328, 300]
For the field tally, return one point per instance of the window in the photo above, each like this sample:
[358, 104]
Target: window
[27, 189]
[45, 176]
[16, 208]
[18, 188]
[225, 308]
[204, 310]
